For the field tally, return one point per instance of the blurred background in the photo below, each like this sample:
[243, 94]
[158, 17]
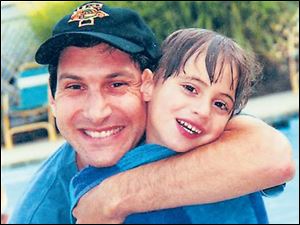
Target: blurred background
[28, 132]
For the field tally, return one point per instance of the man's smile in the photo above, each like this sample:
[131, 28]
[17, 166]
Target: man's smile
[103, 133]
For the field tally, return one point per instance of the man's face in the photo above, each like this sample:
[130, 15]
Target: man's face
[98, 104]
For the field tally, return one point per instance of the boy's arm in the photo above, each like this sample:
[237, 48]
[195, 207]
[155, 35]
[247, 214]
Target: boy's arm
[249, 156]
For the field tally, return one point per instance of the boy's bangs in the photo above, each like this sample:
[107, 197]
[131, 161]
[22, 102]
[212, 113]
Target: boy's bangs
[219, 54]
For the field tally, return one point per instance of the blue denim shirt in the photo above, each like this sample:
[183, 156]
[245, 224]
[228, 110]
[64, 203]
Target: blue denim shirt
[246, 209]
[47, 199]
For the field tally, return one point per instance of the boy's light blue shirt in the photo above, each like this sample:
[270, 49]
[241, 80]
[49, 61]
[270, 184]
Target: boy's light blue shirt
[46, 200]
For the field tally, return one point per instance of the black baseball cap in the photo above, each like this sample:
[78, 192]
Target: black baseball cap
[120, 27]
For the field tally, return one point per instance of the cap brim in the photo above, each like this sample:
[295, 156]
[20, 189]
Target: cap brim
[50, 49]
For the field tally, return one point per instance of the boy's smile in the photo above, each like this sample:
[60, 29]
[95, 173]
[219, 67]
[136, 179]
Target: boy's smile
[189, 130]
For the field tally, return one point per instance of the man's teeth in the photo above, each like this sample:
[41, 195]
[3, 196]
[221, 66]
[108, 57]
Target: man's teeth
[102, 134]
[188, 127]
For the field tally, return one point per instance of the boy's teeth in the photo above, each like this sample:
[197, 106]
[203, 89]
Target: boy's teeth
[102, 134]
[189, 128]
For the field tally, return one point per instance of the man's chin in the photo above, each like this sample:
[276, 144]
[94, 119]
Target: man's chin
[104, 162]
[103, 165]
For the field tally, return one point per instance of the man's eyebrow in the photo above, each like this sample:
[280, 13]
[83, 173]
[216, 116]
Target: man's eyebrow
[119, 74]
[109, 76]
[70, 76]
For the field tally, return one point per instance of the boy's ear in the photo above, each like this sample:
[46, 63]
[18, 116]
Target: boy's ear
[52, 103]
[147, 85]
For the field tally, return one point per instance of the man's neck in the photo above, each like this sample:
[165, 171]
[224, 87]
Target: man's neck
[80, 164]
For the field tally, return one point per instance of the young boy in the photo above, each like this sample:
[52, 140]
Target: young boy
[202, 80]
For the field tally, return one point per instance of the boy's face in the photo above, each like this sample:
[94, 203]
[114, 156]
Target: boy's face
[98, 105]
[186, 111]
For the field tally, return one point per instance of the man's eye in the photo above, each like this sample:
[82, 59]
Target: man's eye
[190, 88]
[118, 84]
[74, 87]
[221, 105]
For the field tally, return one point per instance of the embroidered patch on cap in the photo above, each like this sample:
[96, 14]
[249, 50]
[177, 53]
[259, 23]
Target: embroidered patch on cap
[86, 14]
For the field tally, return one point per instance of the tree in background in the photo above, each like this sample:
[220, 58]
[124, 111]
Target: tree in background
[287, 45]
[43, 15]
[261, 26]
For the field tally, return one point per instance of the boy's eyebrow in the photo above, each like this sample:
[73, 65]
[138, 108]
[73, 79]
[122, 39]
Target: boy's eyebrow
[229, 96]
[197, 79]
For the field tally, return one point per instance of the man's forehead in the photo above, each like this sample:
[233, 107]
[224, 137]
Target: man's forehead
[101, 48]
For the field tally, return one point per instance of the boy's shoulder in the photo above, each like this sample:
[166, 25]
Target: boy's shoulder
[143, 154]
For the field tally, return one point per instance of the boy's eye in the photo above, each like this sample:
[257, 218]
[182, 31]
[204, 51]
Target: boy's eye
[190, 88]
[221, 105]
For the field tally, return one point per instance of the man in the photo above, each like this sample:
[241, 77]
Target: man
[96, 57]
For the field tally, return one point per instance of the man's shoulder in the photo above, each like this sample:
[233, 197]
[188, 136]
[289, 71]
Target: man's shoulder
[64, 152]
[46, 198]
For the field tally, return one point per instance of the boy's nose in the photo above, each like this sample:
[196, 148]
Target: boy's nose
[203, 110]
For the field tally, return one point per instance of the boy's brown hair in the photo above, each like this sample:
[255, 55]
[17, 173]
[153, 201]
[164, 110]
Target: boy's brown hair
[184, 43]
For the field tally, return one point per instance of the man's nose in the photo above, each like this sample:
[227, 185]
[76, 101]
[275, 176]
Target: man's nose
[97, 108]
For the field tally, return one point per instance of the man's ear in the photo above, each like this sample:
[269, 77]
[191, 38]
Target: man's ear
[147, 85]
[52, 103]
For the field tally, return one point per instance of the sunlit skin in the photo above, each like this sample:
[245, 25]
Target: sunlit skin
[4, 216]
[95, 88]
[187, 111]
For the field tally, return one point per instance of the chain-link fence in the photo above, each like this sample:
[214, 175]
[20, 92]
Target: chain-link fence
[19, 44]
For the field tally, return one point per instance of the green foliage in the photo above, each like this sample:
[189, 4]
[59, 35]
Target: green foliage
[249, 23]
[44, 15]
